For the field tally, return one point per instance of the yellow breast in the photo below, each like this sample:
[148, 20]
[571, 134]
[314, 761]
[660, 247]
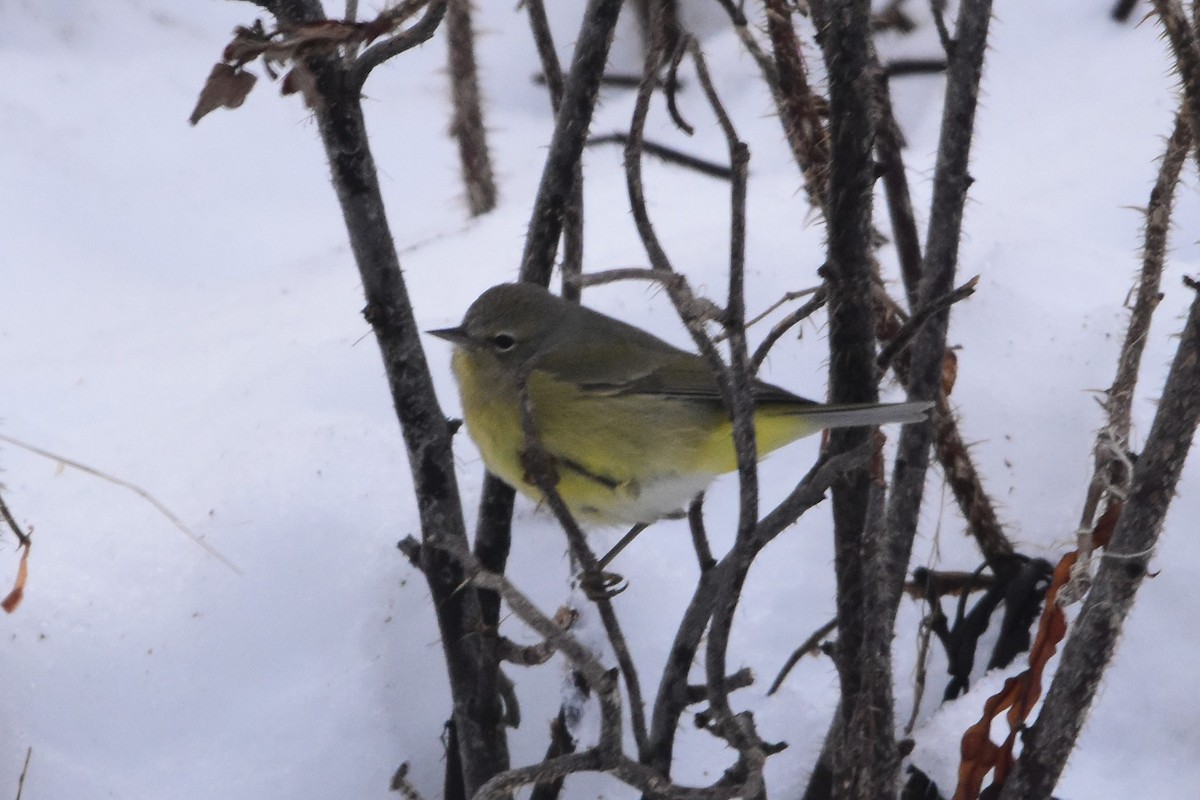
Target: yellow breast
[620, 459]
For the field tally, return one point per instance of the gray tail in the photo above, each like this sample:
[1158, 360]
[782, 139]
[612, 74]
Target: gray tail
[850, 415]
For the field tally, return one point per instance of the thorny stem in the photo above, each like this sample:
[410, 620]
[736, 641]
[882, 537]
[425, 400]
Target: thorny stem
[419, 33]
[815, 303]
[466, 124]
[1110, 476]
[1094, 634]
[937, 274]
[913, 325]
[810, 645]
[865, 760]
[798, 104]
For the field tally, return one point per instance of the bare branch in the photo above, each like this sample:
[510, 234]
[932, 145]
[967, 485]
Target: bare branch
[810, 645]
[421, 32]
[739, 729]
[11, 522]
[889, 143]
[572, 261]
[951, 180]
[914, 323]
[669, 154]
[570, 132]
[466, 124]
[671, 699]
[784, 325]
[24, 772]
[798, 106]
[1111, 473]
[695, 516]
[124, 484]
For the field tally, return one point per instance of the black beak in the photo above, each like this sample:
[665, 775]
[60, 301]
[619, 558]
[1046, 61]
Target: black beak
[455, 335]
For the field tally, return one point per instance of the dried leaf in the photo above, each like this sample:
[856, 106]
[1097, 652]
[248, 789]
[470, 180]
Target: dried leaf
[226, 87]
[949, 371]
[1102, 533]
[980, 755]
[300, 79]
[14, 597]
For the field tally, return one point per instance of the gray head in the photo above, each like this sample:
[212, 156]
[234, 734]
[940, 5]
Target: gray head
[512, 322]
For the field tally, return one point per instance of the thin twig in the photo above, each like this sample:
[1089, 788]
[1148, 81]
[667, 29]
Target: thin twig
[694, 309]
[784, 325]
[580, 90]
[741, 27]
[889, 145]
[669, 701]
[924, 635]
[139, 491]
[419, 33]
[914, 66]
[695, 516]
[938, 7]
[668, 154]
[466, 123]
[787, 298]
[913, 325]
[671, 89]
[10, 520]
[741, 679]
[24, 772]
[572, 261]
[810, 645]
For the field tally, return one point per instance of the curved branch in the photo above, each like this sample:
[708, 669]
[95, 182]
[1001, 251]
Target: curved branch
[380, 52]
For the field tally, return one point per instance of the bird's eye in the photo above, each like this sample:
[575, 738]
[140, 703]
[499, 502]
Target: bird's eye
[503, 341]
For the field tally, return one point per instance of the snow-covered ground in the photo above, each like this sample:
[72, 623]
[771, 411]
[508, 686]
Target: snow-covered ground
[179, 308]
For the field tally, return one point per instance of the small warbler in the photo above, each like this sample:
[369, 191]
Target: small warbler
[635, 426]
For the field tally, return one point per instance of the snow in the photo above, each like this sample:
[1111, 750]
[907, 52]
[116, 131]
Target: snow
[181, 310]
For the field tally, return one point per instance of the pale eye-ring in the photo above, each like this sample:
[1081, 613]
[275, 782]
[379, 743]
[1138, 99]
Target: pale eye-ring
[504, 342]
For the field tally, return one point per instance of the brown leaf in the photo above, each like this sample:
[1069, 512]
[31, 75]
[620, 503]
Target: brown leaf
[247, 44]
[300, 79]
[949, 371]
[1102, 533]
[980, 755]
[14, 597]
[323, 36]
[226, 87]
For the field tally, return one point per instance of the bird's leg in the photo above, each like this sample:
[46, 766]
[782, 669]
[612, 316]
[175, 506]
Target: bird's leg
[598, 583]
[621, 545]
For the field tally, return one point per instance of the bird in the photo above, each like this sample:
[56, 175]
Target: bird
[634, 427]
